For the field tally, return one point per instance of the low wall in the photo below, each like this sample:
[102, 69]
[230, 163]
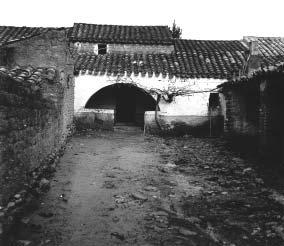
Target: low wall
[182, 124]
[94, 119]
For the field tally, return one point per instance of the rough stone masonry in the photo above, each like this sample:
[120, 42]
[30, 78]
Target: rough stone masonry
[36, 113]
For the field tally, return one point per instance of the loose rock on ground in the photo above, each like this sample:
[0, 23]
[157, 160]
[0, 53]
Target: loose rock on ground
[138, 190]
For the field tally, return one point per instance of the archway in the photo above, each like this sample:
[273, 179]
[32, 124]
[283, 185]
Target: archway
[128, 102]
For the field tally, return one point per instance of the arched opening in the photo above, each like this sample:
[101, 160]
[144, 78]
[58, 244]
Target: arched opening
[128, 102]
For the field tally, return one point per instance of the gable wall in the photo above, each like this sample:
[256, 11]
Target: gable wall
[47, 50]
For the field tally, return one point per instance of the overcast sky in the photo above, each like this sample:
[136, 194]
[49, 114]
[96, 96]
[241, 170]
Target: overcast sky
[199, 19]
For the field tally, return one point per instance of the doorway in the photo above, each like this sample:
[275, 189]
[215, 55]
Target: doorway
[128, 101]
[125, 105]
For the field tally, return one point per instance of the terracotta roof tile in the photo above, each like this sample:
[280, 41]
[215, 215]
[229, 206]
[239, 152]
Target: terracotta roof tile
[10, 34]
[28, 74]
[209, 57]
[208, 46]
[192, 59]
[120, 34]
[179, 65]
[271, 49]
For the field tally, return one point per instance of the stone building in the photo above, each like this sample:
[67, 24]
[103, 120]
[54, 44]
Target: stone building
[252, 104]
[32, 47]
[253, 115]
[123, 74]
[121, 70]
[266, 53]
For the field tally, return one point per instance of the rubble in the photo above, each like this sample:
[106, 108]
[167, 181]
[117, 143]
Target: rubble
[203, 194]
[24, 243]
[38, 183]
[118, 235]
[109, 185]
[46, 214]
[63, 198]
[150, 188]
[187, 232]
[44, 184]
[233, 198]
[1, 229]
[25, 220]
[120, 199]
[139, 196]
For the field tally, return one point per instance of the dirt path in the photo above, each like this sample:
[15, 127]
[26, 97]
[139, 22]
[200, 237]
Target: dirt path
[102, 193]
[123, 188]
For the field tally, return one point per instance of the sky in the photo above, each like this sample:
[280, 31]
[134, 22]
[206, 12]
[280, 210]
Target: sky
[199, 19]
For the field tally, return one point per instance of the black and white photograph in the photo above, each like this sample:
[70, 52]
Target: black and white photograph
[142, 123]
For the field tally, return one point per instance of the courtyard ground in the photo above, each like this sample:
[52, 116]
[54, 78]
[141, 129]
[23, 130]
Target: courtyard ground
[123, 188]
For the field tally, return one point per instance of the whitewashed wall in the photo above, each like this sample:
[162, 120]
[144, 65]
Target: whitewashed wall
[195, 104]
[124, 48]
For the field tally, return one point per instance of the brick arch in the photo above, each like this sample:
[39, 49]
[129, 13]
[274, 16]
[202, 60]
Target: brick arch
[128, 101]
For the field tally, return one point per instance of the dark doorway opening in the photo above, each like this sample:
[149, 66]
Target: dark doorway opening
[125, 105]
[128, 102]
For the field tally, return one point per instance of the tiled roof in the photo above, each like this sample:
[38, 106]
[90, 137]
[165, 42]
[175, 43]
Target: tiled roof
[179, 65]
[192, 59]
[10, 34]
[256, 76]
[29, 74]
[271, 49]
[120, 34]
[209, 46]
[211, 57]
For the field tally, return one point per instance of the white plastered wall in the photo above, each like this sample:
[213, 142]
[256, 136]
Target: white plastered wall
[193, 104]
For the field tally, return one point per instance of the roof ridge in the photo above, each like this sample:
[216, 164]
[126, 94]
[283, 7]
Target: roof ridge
[211, 40]
[120, 25]
[97, 33]
[263, 37]
[36, 27]
[22, 26]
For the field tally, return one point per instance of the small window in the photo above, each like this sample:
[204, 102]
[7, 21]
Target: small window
[102, 49]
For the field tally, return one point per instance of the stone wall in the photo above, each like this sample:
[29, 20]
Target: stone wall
[94, 119]
[271, 118]
[123, 48]
[241, 115]
[253, 113]
[32, 126]
[49, 49]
